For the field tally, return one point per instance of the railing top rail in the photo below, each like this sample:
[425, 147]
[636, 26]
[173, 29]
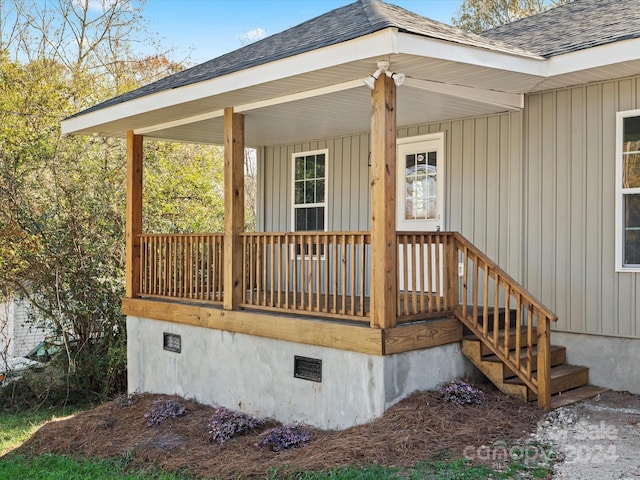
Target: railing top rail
[309, 233]
[514, 284]
[438, 233]
[182, 235]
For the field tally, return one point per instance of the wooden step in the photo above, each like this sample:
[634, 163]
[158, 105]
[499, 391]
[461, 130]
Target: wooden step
[558, 357]
[563, 399]
[512, 341]
[563, 377]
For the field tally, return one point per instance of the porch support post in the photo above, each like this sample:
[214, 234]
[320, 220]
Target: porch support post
[383, 204]
[133, 224]
[233, 207]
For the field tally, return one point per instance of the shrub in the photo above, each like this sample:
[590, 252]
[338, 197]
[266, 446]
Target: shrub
[462, 393]
[162, 410]
[226, 424]
[284, 437]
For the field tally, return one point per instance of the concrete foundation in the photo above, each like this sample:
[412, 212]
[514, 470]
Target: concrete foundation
[612, 361]
[256, 375]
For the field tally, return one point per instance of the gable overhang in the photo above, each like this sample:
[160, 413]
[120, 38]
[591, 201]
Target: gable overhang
[321, 93]
[604, 62]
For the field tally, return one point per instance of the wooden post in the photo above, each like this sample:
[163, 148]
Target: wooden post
[233, 207]
[544, 363]
[452, 278]
[133, 225]
[383, 204]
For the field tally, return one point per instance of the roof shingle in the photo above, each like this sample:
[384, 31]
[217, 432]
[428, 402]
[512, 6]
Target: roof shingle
[352, 21]
[574, 26]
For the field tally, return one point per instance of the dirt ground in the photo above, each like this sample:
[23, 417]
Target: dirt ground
[418, 428]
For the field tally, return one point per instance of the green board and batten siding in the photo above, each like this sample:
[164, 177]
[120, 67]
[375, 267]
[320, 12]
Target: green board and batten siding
[570, 219]
[477, 152]
[534, 190]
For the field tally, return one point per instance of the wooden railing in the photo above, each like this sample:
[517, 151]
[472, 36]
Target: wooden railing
[318, 273]
[426, 276]
[507, 318]
[182, 266]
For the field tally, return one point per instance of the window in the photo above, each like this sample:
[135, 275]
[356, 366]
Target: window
[628, 191]
[309, 186]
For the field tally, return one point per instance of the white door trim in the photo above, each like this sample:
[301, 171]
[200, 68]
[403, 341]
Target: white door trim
[437, 140]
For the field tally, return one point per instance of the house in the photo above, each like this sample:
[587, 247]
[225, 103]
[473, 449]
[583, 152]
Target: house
[417, 184]
[18, 334]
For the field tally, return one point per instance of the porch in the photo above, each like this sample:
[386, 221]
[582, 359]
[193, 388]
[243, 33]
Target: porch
[314, 288]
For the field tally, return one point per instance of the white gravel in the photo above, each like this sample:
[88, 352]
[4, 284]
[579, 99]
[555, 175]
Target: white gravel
[595, 439]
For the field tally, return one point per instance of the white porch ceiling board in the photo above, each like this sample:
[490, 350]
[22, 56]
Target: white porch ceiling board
[342, 113]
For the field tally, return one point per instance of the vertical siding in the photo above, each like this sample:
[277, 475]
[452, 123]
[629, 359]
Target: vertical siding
[483, 185]
[570, 198]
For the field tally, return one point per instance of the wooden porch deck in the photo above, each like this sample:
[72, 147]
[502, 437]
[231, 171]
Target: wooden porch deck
[330, 306]
[312, 329]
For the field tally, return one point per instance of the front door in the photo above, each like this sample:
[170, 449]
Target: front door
[419, 194]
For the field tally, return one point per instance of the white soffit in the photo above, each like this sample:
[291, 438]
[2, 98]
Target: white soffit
[335, 114]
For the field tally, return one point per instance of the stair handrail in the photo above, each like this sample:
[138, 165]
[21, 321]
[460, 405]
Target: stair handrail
[540, 383]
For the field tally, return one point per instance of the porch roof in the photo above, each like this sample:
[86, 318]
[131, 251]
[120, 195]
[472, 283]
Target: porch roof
[307, 82]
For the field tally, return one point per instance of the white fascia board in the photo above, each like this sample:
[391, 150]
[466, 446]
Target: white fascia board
[594, 57]
[412, 44]
[510, 101]
[374, 45]
[255, 105]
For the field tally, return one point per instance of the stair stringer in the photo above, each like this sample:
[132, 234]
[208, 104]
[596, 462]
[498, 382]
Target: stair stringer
[494, 371]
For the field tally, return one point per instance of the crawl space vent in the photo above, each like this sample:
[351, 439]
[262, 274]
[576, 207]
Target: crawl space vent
[307, 368]
[172, 342]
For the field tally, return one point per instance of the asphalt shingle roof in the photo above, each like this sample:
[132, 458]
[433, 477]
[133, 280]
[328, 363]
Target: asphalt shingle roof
[574, 26]
[340, 25]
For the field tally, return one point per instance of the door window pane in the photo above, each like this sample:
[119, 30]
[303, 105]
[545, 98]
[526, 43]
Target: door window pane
[420, 186]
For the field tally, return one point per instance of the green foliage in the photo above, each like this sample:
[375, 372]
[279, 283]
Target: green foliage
[62, 220]
[183, 188]
[479, 15]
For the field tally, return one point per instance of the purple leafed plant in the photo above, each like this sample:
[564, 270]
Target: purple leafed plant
[162, 410]
[226, 424]
[284, 437]
[460, 392]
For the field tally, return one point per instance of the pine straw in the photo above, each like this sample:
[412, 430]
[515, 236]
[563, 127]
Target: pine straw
[418, 428]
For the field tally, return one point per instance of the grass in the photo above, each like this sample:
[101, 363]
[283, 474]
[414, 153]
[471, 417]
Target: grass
[15, 428]
[58, 467]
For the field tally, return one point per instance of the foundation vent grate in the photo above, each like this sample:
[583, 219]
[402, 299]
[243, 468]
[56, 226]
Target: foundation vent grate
[172, 342]
[307, 368]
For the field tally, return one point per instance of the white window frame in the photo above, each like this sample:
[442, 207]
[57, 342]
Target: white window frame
[621, 192]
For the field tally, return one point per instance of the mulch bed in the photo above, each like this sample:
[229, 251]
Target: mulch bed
[420, 427]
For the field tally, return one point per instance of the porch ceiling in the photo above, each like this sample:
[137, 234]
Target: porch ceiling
[335, 114]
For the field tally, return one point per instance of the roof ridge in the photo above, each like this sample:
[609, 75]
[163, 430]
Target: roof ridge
[374, 12]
